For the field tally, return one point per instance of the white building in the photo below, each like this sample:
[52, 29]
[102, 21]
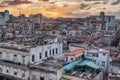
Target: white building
[14, 63]
[14, 71]
[47, 70]
[74, 55]
[15, 60]
[15, 56]
[100, 57]
[54, 48]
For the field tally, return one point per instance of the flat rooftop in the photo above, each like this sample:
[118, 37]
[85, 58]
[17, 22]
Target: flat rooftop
[24, 43]
[14, 65]
[96, 50]
[50, 65]
[82, 69]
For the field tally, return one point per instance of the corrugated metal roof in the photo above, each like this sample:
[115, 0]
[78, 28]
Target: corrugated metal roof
[88, 64]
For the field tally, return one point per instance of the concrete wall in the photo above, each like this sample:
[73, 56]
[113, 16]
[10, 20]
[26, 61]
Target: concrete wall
[42, 49]
[35, 75]
[98, 77]
[59, 74]
[8, 54]
[11, 71]
[69, 58]
[72, 77]
[101, 58]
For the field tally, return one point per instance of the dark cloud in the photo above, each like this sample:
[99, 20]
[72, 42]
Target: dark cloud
[95, 0]
[82, 14]
[65, 5]
[100, 8]
[104, 8]
[52, 2]
[2, 6]
[43, 0]
[18, 2]
[88, 8]
[98, 1]
[116, 3]
[104, 2]
[84, 6]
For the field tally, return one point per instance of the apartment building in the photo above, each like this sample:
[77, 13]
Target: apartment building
[99, 57]
[16, 59]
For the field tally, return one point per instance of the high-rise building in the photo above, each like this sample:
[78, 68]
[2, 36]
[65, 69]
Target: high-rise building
[4, 17]
[108, 22]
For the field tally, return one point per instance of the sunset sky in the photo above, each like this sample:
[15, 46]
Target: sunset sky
[61, 8]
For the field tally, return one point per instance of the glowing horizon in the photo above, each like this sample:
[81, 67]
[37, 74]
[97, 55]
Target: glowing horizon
[61, 8]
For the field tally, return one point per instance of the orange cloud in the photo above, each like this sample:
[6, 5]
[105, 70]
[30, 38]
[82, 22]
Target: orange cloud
[53, 8]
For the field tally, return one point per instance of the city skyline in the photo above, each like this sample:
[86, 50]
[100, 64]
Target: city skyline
[61, 8]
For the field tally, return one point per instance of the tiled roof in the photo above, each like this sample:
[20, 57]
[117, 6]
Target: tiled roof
[78, 51]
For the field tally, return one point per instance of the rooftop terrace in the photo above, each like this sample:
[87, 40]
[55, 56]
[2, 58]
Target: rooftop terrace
[82, 69]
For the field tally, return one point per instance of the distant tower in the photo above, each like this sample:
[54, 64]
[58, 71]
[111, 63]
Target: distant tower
[30, 27]
[6, 15]
[40, 19]
[102, 15]
[2, 20]
[20, 13]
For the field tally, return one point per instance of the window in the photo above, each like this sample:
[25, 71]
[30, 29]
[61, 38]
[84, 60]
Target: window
[23, 59]
[0, 55]
[41, 78]
[104, 54]
[93, 55]
[96, 54]
[66, 58]
[15, 57]
[53, 32]
[50, 52]
[109, 18]
[72, 59]
[94, 61]
[40, 55]
[7, 56]
[46, 54]
[103, 63]
[98, 64]
[110, 62]
[53, 51]
[15, 73]
[33, 58]
[23, 74]
[7, 71]
[33, 77]
[56, 50]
